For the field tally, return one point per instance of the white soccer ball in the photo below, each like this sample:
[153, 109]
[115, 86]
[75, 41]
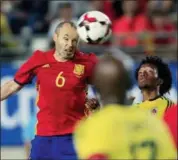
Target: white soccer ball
[94, 27]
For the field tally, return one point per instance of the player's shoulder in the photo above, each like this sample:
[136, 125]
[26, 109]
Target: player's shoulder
[158, 99]
[42, 56]
[136, 104]
[42, 53]
[38, 54]
[86, 57]
[103, 117]
[98, 116]
[164, 98]
[111, 112]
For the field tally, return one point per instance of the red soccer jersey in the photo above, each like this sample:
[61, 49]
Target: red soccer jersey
[61, 87]
[170, 118]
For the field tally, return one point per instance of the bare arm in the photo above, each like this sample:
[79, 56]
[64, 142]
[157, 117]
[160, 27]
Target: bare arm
[9, 88]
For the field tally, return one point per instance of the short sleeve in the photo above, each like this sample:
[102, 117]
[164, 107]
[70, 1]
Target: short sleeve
[26, 72]
[93, 61]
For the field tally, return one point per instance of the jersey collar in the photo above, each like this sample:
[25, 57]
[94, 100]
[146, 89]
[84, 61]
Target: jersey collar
[51, 58]
[154, 98]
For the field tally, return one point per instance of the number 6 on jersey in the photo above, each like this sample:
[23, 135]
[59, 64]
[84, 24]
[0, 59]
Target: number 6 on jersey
[60, 80]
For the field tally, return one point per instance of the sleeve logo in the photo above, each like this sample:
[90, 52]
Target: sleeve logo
[46, 66]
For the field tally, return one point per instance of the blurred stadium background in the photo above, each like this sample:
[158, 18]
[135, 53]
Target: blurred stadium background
[140, 28]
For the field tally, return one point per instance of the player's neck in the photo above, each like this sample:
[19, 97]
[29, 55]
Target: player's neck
[111, 100]
[149, 94]
[59, 58]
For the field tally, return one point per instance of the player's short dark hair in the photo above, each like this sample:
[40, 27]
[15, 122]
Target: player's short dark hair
[65, 22]
[164, 72]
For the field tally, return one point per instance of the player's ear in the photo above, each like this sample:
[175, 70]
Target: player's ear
[78, 41]
[160, 81]
[55, 37]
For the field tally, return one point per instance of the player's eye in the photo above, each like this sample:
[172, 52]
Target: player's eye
[66, 39]
[140, 72]
[151, 71]
[74, 42]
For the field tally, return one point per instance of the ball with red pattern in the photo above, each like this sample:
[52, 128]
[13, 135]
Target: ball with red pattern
[94, 27]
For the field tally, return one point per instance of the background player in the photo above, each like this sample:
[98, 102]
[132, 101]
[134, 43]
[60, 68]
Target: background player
[117, 131]
[62, 76]
[154, 80]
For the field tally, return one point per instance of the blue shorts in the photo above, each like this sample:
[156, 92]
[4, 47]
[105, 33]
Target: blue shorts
[53, 148]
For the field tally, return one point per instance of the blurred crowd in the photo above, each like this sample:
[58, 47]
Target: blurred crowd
[134, 22]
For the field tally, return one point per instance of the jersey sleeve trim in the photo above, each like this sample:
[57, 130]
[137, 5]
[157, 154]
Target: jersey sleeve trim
[169, 103]
[98, 156]
[22, 84]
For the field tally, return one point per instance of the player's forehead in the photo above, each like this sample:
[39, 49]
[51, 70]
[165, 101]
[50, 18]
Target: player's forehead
[148, 66]
[68, 30]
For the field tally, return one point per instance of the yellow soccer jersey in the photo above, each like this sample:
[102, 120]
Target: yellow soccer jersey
[123, 133]
[157, 106]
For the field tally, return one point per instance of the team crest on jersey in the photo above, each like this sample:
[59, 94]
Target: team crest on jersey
[79, 70]
[154, 111]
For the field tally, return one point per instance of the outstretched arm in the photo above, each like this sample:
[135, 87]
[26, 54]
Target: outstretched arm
[9, 88]
[24, 75]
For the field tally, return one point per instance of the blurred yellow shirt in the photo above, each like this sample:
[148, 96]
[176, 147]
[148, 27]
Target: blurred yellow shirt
[7, 38]
[123, 133]
[5, 29]
[157, 106]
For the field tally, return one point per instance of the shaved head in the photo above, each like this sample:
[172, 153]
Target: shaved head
[111, 80]
[60, 25]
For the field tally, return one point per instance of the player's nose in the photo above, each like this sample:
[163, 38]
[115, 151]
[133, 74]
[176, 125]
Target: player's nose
[69, 43]
[145, 73]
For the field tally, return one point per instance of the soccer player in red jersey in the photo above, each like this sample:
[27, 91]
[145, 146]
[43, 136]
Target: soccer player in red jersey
[62, 76]
[170, 118]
